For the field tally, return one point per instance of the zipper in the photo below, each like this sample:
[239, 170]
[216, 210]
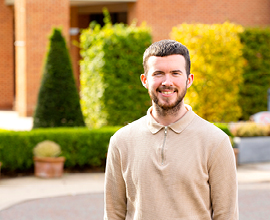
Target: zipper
[164, 140]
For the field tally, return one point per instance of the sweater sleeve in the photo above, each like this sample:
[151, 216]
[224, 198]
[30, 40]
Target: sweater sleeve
[223, 182]
[115, 190]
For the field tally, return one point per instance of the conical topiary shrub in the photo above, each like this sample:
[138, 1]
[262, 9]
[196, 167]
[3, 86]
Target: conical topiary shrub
[58, 102]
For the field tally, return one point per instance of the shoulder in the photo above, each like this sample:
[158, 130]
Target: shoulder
[206, 132]
[212, 138]
[133, 129]
[207, 127]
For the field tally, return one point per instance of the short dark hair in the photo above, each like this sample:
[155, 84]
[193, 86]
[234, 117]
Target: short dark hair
[166, 48]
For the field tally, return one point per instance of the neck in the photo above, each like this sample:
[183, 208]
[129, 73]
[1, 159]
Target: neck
[167, 117]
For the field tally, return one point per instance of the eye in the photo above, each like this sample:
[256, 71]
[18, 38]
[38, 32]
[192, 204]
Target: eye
[176, 73]
[157, 73]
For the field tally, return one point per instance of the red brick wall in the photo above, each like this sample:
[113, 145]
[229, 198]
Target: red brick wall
[162, 15]
[6, 57]
[34, 21]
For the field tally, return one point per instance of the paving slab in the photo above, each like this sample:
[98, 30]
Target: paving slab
[19, 189]
[254, 201]
[72, 207]
[254, 173]
[81, 195]
[10, 120]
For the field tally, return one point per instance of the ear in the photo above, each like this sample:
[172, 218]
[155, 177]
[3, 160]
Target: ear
[144, 81]
[190, 80]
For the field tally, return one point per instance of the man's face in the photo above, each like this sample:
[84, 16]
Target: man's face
[167, 80]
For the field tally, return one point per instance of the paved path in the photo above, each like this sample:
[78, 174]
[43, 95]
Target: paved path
[10, 120]
[254, 201]
[254, 191]
[80, 196]
[253, 204]
[20, 189]
[78, 207]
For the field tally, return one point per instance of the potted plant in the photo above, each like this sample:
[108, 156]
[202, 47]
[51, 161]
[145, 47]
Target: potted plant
[48, 164]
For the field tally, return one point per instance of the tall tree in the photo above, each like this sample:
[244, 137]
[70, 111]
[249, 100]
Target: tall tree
[58, 102]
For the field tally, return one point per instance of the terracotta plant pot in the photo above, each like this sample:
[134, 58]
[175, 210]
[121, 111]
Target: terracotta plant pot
[49, 167]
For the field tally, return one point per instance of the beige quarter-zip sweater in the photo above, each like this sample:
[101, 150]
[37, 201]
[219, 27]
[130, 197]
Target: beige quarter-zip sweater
[182, 171]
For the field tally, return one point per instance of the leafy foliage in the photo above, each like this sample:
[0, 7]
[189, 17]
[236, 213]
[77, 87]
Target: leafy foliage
[58, 102]
[217, 63]
[80, 146]
[111, 65]
[256, 74]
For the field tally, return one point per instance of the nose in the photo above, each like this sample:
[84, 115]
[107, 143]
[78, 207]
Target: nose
[167, 81]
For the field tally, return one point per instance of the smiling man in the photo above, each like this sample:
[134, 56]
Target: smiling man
[170, 164]
[167, 83]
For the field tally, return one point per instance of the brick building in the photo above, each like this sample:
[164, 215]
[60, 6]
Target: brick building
[26, 24]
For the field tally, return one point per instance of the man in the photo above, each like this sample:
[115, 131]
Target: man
[170, 164]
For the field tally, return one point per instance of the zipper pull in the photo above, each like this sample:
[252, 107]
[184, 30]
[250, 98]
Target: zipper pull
[162, 151]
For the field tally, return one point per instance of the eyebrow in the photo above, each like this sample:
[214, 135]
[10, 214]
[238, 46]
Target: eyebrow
[173, 71]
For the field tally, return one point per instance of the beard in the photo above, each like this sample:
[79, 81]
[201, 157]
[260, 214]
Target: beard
[167, 108]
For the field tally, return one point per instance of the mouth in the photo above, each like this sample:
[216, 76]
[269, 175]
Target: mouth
[167, 90]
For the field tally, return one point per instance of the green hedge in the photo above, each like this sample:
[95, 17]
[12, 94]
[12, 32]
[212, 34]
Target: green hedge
[111, 90]
[80, 146]
[256, 51]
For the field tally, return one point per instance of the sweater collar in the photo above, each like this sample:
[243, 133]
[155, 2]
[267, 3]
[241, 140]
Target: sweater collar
[177, 126]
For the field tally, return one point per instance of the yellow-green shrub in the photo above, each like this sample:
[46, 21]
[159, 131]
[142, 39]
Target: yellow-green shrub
[249, 129]
[216, 62]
